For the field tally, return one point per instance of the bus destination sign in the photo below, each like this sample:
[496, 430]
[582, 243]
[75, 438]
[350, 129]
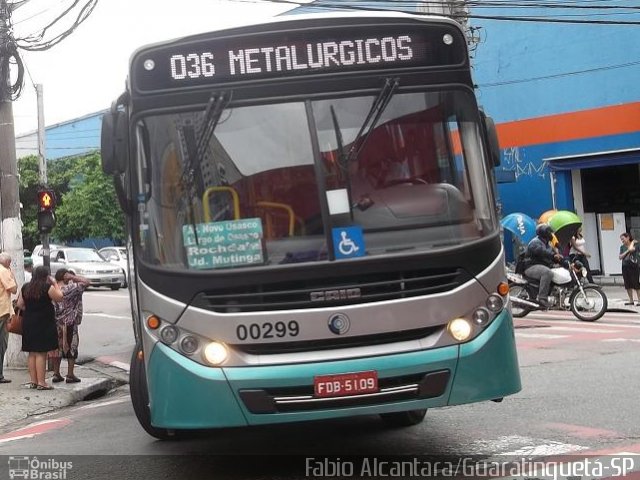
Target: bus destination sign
[271, 56]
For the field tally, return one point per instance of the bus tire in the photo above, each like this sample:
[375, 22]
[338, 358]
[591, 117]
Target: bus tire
[403, 419]
[140, 398]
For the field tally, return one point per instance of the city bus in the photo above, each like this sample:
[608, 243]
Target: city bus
[312, 224]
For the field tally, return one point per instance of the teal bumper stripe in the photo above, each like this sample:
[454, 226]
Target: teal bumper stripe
[185, 394]
[488, 367]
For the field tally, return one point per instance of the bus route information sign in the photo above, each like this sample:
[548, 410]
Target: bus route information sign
[224, 244]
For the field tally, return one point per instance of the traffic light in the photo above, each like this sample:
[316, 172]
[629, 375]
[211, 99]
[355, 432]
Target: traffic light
[46, 221]
[46, 199]
[46, 208]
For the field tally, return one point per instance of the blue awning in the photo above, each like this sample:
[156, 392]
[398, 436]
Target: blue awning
[594, 160]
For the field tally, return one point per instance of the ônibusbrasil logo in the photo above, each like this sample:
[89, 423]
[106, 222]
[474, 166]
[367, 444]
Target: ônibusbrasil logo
[33, 468]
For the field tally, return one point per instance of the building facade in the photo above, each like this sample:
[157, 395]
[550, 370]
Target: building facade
[566, 100]
[78, 136]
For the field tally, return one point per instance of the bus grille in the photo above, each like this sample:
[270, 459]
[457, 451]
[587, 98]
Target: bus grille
[331, 292]
[337, 342]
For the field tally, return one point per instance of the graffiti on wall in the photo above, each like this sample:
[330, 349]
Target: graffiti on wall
[514, 160]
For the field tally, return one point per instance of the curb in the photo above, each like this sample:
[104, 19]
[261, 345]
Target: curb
[620, 310]
[23, 403]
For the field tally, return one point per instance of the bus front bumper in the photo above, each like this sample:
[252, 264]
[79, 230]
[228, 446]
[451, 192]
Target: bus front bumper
[186, 395]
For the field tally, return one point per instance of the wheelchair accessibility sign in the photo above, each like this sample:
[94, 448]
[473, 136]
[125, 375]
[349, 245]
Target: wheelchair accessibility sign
[348, 242]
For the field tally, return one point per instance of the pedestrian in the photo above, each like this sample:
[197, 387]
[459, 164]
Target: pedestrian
[68, 319]
[579, 252]
[28, 269]
[39, 334]
[630, 267]
[8, 286]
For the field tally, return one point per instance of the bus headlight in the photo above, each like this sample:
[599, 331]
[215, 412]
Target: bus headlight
[215, 353]
[495, 303]
[198, 348]
[189, 344]
[169, 334]
[460, 329]
[481, 317]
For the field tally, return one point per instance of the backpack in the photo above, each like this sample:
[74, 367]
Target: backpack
[521, 263]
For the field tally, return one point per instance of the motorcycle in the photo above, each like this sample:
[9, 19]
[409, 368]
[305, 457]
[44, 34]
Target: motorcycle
[569, 291]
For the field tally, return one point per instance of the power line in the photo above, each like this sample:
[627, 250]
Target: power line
[10, 45]
[411, 7]
[559, 75]
[36, 43]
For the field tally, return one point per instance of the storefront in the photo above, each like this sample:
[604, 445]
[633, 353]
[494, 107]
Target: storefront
[606, 194]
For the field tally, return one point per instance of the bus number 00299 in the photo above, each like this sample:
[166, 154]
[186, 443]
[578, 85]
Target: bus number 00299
[257, 331]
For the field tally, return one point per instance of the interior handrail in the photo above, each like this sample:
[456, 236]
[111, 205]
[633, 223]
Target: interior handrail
[234, 195]
[283, 206]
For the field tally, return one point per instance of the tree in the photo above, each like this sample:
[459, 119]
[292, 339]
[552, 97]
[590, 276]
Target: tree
[29, 181]
[85, 197]
[89, 207]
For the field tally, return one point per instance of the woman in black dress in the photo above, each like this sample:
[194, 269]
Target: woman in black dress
[39, 333]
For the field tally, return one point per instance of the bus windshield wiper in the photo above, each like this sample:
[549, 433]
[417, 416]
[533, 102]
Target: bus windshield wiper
[375, 112]
[343, 164]
[216, 105]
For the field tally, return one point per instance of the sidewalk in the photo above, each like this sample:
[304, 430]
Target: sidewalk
[616, 294]
[20, 402]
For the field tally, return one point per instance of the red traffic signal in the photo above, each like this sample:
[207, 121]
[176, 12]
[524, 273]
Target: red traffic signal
[46, 199]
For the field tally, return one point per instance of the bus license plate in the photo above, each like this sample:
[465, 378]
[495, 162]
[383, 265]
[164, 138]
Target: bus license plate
[345, 384]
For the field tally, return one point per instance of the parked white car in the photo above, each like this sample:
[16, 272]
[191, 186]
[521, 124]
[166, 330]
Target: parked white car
[87, 262]
[117, 256]
[37, 256]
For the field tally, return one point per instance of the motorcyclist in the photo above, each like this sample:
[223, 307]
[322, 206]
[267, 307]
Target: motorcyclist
[540, 256]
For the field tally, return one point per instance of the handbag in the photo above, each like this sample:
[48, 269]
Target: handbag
[14, 324]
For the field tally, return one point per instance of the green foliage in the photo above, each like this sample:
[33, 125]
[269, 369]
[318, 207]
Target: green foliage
[87, 204]
[29, 181]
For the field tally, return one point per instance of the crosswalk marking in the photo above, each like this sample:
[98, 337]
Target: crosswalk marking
[107, 315]
[548, 336]
[602, 329]
[624, 320]
[550, 448]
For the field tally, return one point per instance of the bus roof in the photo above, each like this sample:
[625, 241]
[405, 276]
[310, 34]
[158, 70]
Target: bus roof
[297, 18]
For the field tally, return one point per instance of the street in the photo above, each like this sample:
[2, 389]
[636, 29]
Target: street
[106, 329]
[579, 396]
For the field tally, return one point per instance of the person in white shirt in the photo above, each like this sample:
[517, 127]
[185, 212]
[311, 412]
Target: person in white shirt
[579, 252]
[28, 269]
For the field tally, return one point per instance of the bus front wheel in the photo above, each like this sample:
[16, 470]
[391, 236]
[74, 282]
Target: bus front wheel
[140, 397]
[403, 419]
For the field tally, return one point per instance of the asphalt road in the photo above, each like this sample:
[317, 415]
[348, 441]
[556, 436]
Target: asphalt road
[106, 329]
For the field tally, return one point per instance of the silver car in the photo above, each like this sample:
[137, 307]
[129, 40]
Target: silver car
[88, 263]
[117, 256]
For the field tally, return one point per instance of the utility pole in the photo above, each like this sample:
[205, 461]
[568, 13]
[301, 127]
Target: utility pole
[42, 166]
[11, 230]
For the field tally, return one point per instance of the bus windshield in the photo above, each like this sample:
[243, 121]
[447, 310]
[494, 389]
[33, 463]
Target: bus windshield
[270, 182]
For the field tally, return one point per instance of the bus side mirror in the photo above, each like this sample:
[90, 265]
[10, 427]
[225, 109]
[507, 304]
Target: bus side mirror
[114, 142]
[491, 135]
[114, 150]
